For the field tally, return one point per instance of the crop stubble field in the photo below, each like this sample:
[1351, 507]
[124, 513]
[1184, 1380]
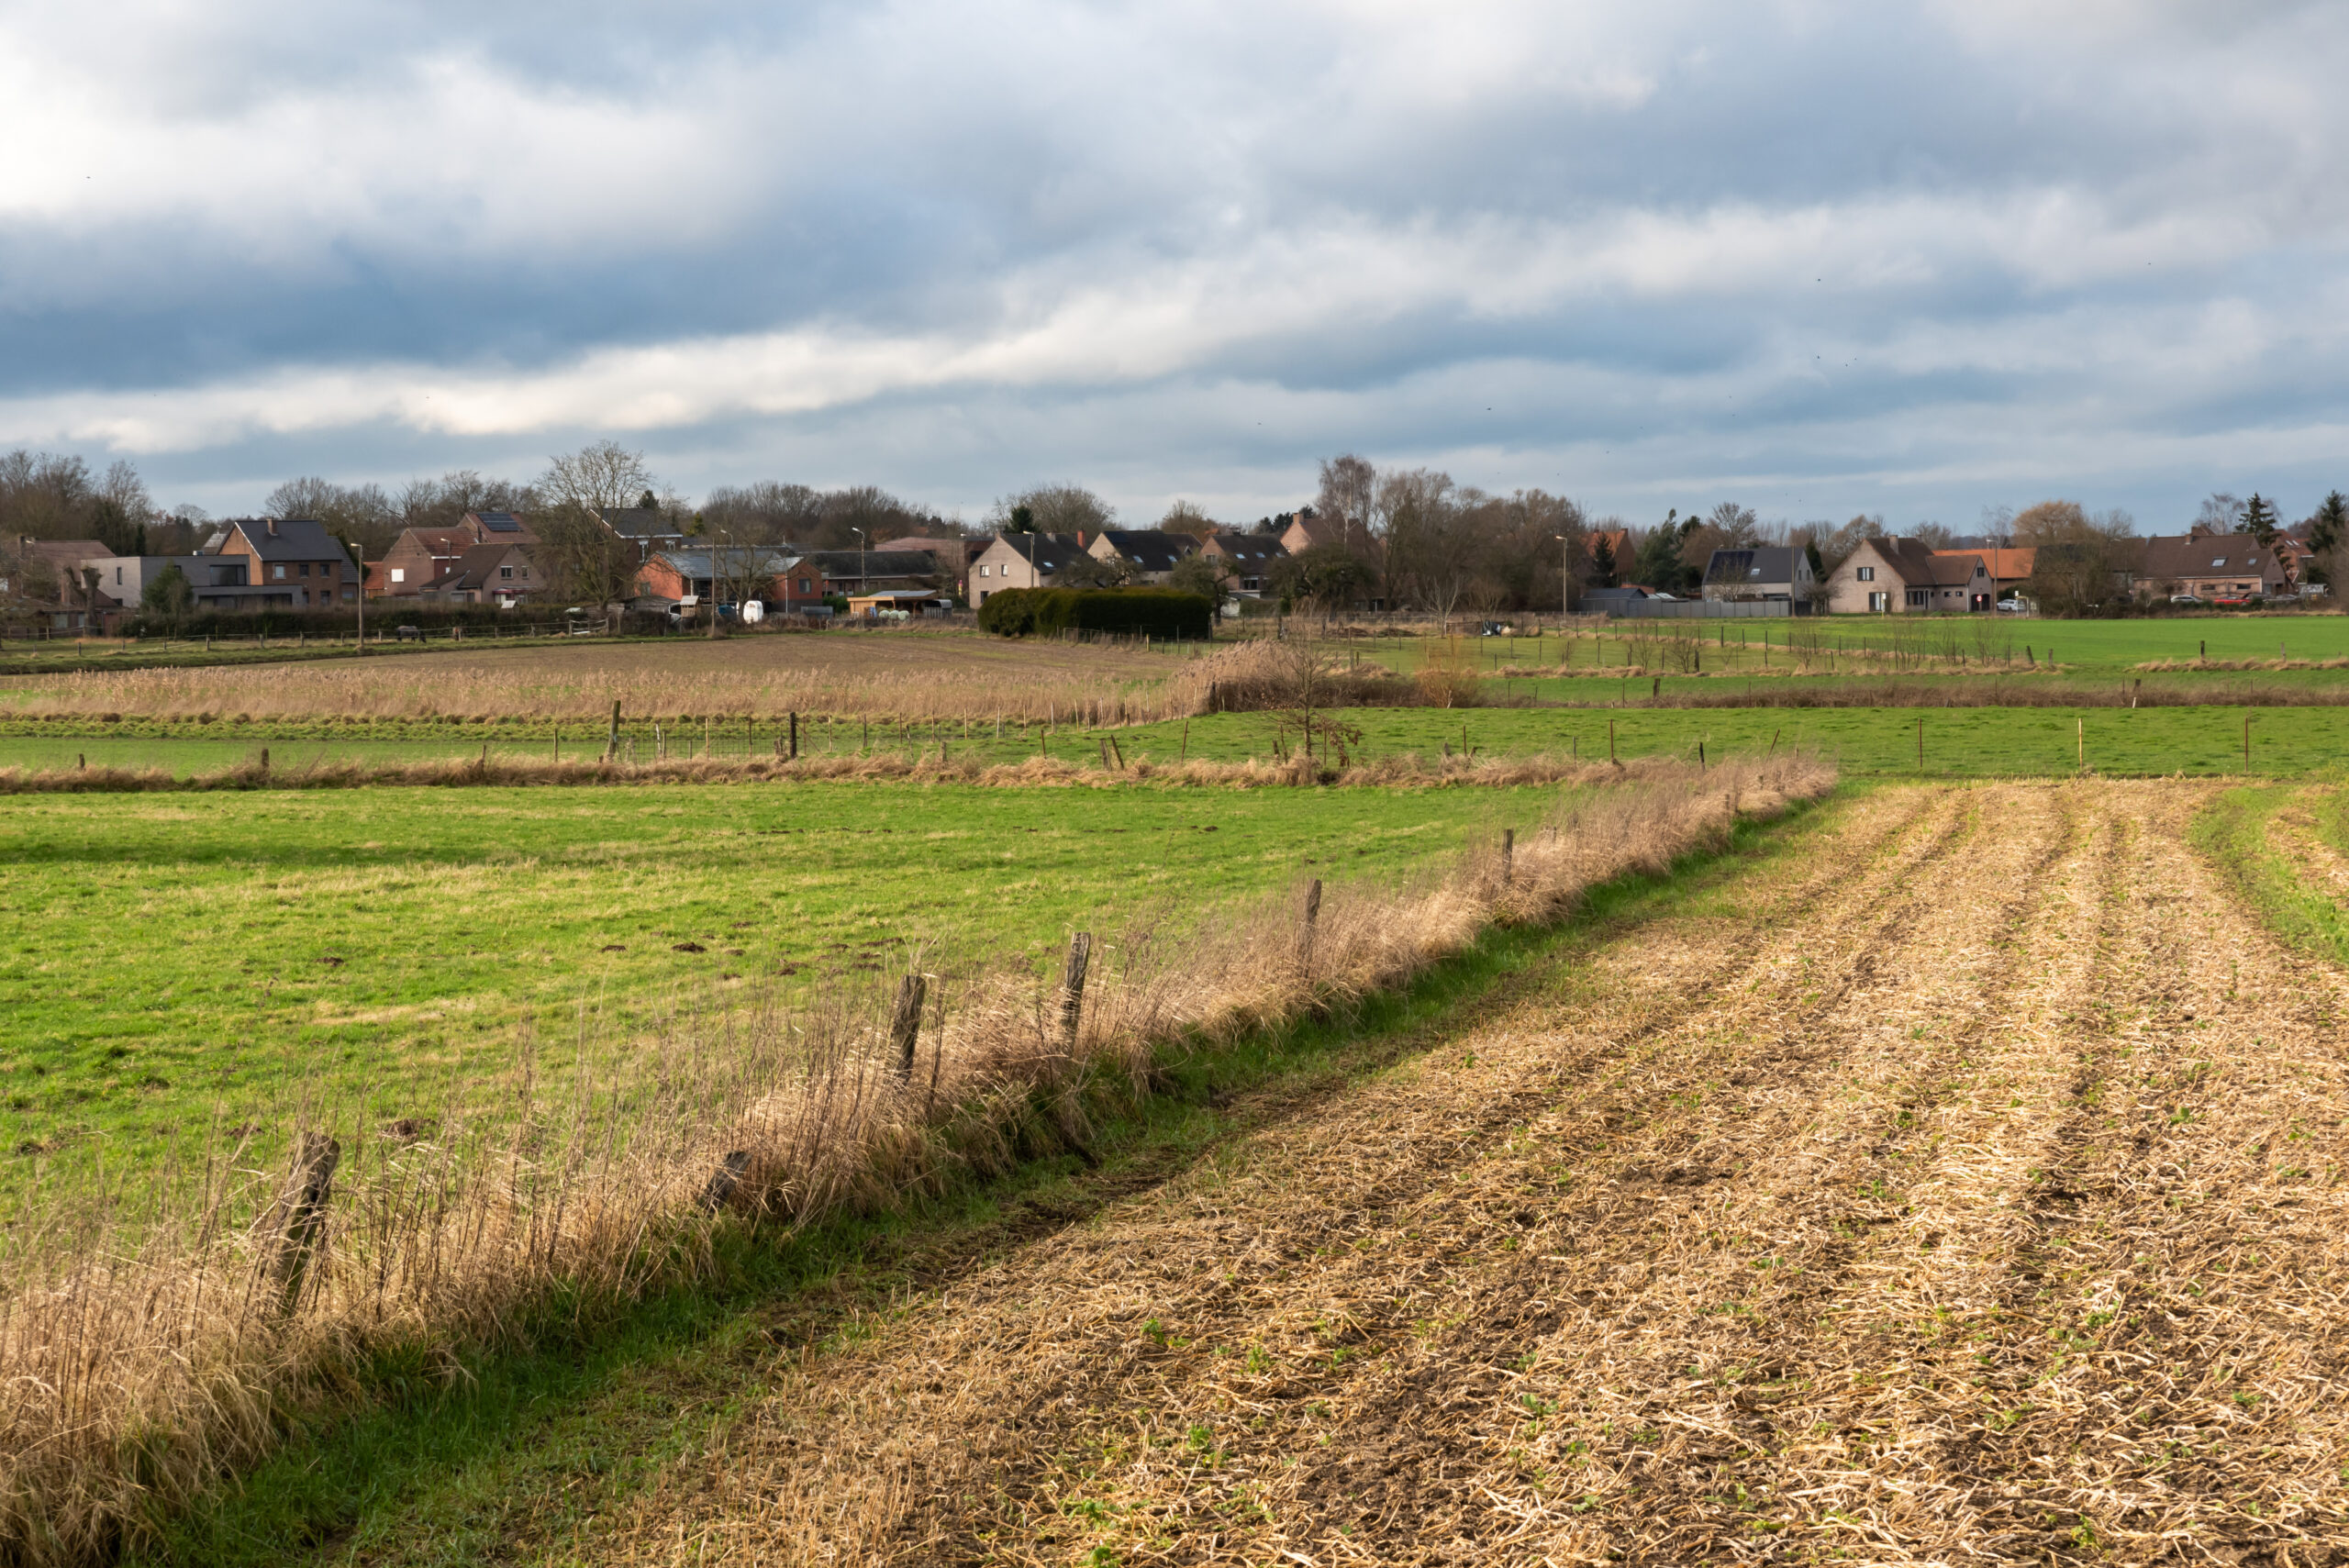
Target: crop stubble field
[1967, 1185]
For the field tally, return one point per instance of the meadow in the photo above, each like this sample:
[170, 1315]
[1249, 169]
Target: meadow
[178, 962]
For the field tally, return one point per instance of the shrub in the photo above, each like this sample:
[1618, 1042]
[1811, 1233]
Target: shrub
[1155, 612]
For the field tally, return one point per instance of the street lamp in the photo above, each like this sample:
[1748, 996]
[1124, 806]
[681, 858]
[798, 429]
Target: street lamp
[864, 567]
[1566, 575]
[357, 551]
[713, 579]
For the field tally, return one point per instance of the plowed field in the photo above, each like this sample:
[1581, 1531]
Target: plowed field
[1967, 1191]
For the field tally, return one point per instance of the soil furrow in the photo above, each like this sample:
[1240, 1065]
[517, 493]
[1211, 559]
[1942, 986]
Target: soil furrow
[1970, 1192]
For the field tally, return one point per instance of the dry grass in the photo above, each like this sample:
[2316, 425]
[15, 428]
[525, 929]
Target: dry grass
[893, 675]
[151, 1343]
[2174, 664]
[1403, 770]
[1967, 1190]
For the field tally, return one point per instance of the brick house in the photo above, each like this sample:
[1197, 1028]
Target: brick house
[422, 556]
[2213, 567]
[497, 573]
[1150, 554]
[1893, 575]
[1021, 560]
[2010, 565]
[1248, 560]
[293, 562]
[1765, 572]
[952, 555]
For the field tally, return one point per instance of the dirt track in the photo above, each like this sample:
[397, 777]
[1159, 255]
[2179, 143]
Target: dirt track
[1965, 1189]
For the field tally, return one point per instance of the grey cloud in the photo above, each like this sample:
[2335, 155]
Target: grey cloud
[1827, 232]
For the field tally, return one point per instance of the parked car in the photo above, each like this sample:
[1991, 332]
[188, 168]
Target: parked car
[2013, 608]
[2185, 599]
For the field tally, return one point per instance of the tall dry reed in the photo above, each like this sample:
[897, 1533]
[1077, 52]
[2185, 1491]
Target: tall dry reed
[153, 1343]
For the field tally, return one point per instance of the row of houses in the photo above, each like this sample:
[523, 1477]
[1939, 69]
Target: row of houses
[248, 565]
[1897, 575]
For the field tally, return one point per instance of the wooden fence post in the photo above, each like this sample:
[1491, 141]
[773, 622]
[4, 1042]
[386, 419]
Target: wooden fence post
[1508, 855]
[303, 1207]
[1312, 920]
[905, 1024]
[1080, 957]
[795, 737]
[723, 1181]
[612, 745]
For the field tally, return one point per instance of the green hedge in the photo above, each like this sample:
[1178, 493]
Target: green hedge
[1134, 612]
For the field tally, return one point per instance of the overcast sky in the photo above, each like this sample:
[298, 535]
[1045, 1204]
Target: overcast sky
[1820, 258]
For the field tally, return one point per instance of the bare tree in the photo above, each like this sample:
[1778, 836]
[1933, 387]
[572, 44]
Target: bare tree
[585, 559]
[1056, 509]
[1186, 517]
[2220, 510]
[600, 477]
[1349, 494]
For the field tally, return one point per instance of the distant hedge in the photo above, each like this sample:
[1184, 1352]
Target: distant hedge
[382, 616]
[1134, 612]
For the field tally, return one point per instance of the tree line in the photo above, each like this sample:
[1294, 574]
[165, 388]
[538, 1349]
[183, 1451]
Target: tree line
[1405, 538]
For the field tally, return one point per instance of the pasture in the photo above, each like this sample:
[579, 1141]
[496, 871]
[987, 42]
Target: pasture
[180, 962]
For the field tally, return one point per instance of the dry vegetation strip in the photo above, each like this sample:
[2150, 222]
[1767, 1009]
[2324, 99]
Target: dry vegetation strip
[901, 674]
[140, 1363]
[1970, 1192]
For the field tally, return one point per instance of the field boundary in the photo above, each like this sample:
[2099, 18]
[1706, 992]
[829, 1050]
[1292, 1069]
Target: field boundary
[219, 1335]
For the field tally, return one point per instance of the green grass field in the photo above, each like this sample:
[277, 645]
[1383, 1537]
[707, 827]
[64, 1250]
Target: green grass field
[171, 956]
[1985, 741]
[2091, 646]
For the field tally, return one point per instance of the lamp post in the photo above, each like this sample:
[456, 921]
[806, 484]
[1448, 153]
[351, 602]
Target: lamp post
[864, 567]
[1566, 575]
[362, 554]
[713, 578]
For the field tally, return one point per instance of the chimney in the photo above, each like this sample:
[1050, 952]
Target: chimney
[272, 528]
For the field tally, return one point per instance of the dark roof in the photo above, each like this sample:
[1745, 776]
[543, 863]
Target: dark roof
[289, 539]
[1762, 563]
[641, 522]
[2187, 555]
[1047, 552]
[865, 563]
[1246, 549]
[735, 560]
[1152, 549]
[499, 522]
[477, 568]
[1623, 593]
[64, 552]
[1913, 561]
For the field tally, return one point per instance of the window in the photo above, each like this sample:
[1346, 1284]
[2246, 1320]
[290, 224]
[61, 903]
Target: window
[506, 571]
[400, 573]
[118, 576]
[2217, 561]
[1879, 601]
[1918, 595]
[1866, 573]
[982, 570]
[306, 569]
[803, 587]
[525, 572]
[280, 572]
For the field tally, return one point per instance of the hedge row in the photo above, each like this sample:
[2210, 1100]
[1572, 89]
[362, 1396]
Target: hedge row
[1135, 612]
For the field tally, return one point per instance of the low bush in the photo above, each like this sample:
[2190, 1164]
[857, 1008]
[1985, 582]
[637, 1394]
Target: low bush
[1134, 612]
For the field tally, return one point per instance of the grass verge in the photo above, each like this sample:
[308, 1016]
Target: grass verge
[2236, 831]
